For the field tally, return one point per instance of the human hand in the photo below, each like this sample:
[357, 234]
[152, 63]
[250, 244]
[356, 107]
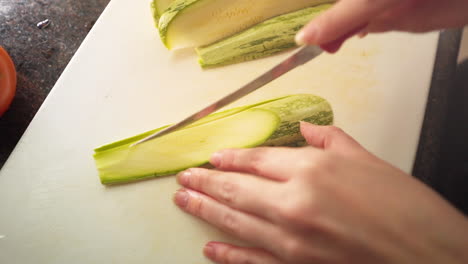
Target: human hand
[381, 16]
[332, 202]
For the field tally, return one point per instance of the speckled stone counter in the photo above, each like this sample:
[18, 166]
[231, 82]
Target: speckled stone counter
[40, 55]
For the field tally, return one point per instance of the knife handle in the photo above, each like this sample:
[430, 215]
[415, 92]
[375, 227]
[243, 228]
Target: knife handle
[335, 45]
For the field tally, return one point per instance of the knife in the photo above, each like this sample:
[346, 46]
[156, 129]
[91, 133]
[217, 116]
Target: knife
[302, 56]
[305, 54]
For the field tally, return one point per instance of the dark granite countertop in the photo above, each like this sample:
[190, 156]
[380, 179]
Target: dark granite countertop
[40, 56]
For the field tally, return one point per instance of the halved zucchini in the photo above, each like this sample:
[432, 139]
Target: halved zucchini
[158, 7]
[267, 38]
[188, 23]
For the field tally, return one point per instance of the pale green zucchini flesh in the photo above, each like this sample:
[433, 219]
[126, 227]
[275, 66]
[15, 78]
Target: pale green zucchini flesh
[193, 23]
[272, 122]
[264, 39]
[128, 141]
[185, 148]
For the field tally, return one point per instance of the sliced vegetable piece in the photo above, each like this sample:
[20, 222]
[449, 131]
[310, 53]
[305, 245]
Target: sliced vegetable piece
[273, 123]
[185, 148]
[188, 23]
[264, 39]
[7, 81]
[209, 118]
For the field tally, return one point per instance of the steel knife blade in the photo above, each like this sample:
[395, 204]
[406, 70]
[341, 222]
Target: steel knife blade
[302, 56]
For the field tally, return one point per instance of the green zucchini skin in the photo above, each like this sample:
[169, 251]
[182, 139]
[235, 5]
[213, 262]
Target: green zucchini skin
[288, 111]
[264, 39]
[158, 7]
[292, 110]
[155, 13]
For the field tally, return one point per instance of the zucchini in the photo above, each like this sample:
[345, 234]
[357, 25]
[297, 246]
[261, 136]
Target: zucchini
[158, 7]
[193, 23]
[209, 118]
[269, 123]
[264, 39]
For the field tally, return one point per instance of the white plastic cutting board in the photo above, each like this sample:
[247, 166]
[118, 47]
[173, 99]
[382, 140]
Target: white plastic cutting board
[121, 82]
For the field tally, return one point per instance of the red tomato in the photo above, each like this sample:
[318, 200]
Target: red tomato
[7, 81]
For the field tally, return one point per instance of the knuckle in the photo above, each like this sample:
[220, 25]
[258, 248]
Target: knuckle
[318, 166]
[228, 157]
[235, 256]
[325, 165]
[309, 160]
[291, 213]
[304, 165]
[230, 223]
[293, 248]
[196, 205]
[295, 210]
[198, 179]
[257, 159]
[228, 191]
[205, 179]
[322, 161]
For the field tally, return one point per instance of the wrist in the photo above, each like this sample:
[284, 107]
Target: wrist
[450, 244]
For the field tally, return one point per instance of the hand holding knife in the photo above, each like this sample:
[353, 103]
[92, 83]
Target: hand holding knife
[305, 54]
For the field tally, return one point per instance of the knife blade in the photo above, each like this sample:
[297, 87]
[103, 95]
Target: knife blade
[300, 57]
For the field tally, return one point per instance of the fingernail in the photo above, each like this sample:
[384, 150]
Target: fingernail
[181, 198]
[300, 38]
[184, 177]
[210, 251]
[215, 159]
[362, 34]
[306, 35]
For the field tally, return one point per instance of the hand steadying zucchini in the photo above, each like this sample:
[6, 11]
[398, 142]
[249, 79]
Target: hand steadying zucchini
[273, 122]
[264, 39]
[193, 23]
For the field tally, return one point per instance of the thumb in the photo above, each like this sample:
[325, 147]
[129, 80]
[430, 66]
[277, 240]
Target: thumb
[330, 138]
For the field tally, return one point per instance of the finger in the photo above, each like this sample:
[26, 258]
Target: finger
[242, 226]
[263, 161]
[330, 137]
[335, 45]
[345, 16]
[222, 253]
[235, 190]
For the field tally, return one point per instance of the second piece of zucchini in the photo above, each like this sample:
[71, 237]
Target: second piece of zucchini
[264, 39]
